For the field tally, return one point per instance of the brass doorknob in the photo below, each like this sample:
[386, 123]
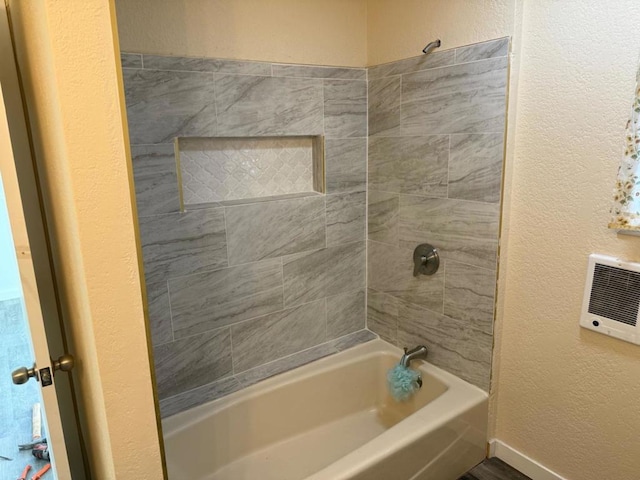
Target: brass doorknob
[23, 374]
[64, 363]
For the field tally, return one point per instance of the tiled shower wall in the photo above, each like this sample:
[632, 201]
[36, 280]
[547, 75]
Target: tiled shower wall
[436, 136]
[239, 293]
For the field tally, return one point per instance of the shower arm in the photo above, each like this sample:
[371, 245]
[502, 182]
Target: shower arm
[431, 46]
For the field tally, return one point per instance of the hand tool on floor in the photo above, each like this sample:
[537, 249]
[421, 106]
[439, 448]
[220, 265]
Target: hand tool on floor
[41, 451]
[25, 472]
[5, 458]
[29, 446]
[38, 475]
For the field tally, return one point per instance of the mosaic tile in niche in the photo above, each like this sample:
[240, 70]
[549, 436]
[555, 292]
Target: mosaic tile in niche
[221, 169]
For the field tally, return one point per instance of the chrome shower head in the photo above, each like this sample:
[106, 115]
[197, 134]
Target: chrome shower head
[431, 46]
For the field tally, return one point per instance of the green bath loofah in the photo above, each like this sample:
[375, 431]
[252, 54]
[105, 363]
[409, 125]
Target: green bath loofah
[402, 382]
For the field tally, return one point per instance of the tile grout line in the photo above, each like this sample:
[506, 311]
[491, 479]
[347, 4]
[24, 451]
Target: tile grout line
[444, 286]
[448, 165]
[215, 100]
[233, 362]
[326, 321]
[226, 243]
[324, 126]
[400, 106]
[366, 212]
[173, 332]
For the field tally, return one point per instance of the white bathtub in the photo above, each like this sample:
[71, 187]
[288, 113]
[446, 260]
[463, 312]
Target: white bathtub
[333, 419]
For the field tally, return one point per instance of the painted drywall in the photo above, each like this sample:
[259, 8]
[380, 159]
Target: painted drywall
[399, 29]
[10, 278]
[564, 396]
[68, 55]
[328, 32]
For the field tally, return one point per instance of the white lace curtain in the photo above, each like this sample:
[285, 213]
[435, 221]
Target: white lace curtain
[625, 213]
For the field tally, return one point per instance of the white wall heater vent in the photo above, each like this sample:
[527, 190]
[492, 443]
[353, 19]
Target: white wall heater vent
[611, 303]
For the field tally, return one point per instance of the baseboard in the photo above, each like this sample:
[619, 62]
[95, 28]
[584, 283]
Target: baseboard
[521, 462]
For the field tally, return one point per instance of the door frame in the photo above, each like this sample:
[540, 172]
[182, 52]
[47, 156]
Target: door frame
[40, 250]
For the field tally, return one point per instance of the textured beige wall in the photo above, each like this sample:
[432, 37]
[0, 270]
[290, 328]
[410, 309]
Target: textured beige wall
[565, 396]
[399, 29]
[324, 32]
[67, 54]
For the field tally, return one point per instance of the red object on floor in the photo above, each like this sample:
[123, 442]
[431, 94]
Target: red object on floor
[25, 472]
[38, 475]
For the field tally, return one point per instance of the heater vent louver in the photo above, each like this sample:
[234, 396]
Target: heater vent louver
[612, 298]
[615, 294]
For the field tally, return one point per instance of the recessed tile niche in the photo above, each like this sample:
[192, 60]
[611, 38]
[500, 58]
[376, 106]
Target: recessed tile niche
[236, 170]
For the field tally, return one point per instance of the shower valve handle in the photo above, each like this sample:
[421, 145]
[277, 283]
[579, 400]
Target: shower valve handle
[426, 260]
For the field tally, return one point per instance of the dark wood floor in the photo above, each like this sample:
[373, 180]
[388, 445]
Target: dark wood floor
[494, 469]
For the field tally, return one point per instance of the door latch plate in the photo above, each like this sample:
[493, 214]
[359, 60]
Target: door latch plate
[45, 377]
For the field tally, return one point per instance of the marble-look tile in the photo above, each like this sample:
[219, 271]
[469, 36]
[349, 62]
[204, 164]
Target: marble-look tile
[198, 396]
[461, 350]
[329, 271]
[214, 299]
[182, 243]
[310, 71]
[412, 165]
[346, 165]
[199, 64]
[345, 314]
[384, 106]
[463, 231]
[346, 214]
[353, 339]
[390, 270]
[468, 98]
[382, 315]
[345, 108]
[272, 229]
[383, 216]
[191, 362]
[155, 178]
[483, 51]
[413, 64]
[277, 335]
[131, 60]
[159, 313]
[475, 167]
[469, 295]
[163, 105]
[254, 375]
[259, 106]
